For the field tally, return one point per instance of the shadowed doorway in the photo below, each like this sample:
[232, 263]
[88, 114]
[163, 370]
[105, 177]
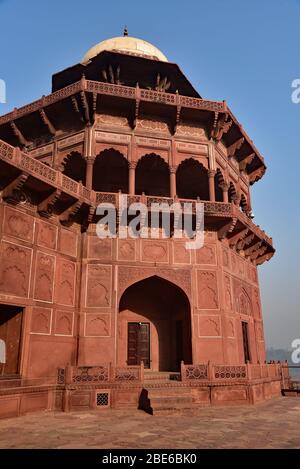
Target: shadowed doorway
[154, 325]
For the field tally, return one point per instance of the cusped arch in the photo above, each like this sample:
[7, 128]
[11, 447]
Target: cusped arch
[110, 171]
[219, 183]
[232, 193]
[192, 180]
[243, 203]
[74, 166]
[152, 175]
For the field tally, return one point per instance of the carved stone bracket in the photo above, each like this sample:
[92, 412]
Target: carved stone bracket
[11, 191]
[68, 215]
[85, 106]
[265, 258]
[257, 174]
[228, 228]
[249, 251]
[246, 161]
[259, 252]
[245, 242]
[238, 236]
[232, 149]
[47, 122]
[221, 126]
[23, 141]
[45, 208]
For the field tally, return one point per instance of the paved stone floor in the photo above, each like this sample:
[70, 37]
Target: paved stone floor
[273, 424]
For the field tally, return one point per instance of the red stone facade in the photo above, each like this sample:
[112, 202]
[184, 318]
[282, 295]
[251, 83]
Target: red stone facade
[79, 299]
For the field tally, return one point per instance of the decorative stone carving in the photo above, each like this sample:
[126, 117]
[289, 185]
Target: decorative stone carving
[243, 297]
[190, 130]
[41, 320]
[152, 125]
[68, 242]
[226, 257]
[259, 331]
[65, 282]
[18, 224]
[47, 235]
[98, 286]
[97, 325]
[63, 323]
[209, 326]
[99, 248]
[230, 328]
[180, 253]
[228, 294]
[44, 277]
[206, 255]
[256, 303]
[15, 269]
[111, 120]
[129, 275]
[126, 250]
[207, 290]
[154, 251]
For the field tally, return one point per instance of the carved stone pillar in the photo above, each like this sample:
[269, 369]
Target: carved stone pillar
[131, 183]
[89, 171]
[173, 189]
[211, 183]
[225, 188]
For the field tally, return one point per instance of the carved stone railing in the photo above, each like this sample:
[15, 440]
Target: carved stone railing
[105, 373]
[42, 102]
[194, 372]
[57, 180]
[115, 90]
[128, 373]
[228, 373]
[87, 374]
[233, 372]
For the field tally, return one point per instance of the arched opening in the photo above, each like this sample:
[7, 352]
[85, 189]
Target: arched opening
[243, 204]
[219, 181]
[75, 167]
[110, 172]
[152, 176]
[154, 325]
[192, 180]
[232, 194]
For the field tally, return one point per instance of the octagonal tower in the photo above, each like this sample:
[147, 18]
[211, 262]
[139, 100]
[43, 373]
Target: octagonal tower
[127, 121]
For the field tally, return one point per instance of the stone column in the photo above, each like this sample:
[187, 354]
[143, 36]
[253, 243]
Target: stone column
[131, 183]
[173, 189]
[225, 188]
[90, 160]
[211, 182]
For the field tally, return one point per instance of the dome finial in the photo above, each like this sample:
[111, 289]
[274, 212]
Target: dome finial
[125, 32]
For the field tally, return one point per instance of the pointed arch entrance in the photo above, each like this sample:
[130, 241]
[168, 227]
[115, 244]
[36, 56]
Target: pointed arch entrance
[154, 325]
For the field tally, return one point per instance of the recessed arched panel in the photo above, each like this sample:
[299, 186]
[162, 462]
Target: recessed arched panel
[154, 325]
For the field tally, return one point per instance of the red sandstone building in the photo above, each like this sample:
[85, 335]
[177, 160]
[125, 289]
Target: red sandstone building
[90, 323]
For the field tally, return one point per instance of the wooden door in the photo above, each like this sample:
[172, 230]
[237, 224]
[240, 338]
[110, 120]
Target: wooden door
[246, 341]
[10, 333]
[139, 343]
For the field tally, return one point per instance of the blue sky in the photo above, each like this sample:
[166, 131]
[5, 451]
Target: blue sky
[244, 52]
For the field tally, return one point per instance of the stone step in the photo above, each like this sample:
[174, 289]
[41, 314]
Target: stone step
[166, 399]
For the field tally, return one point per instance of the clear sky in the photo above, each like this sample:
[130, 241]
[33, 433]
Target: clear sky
[246, 52]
